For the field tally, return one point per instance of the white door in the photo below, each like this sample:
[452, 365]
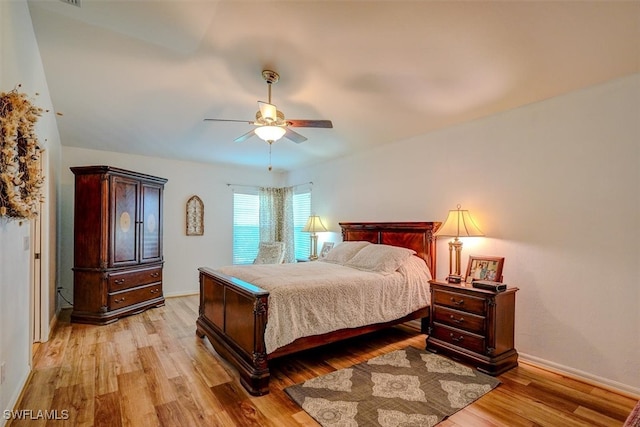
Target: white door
[38, 307]
[36, 274]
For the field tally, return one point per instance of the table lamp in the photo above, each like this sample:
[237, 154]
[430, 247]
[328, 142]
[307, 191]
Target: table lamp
[458, 224]
[313, 226]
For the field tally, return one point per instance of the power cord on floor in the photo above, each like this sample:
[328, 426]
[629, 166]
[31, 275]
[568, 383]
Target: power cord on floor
[62, 296]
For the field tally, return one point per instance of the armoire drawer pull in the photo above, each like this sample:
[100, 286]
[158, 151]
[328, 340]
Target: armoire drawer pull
[454, 319]
[118, 301]
[119, 281]
[156, 274]
[457, 302]
[456, 339]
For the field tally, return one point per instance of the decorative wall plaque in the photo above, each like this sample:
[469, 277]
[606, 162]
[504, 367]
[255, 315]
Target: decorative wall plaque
[195, 217]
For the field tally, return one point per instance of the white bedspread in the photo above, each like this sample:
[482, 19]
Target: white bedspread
[318, 297]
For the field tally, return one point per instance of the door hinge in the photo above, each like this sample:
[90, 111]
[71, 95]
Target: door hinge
[36, 255]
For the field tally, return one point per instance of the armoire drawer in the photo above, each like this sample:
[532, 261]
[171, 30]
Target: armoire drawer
[128, 279]
[123, 299]
[459, 319]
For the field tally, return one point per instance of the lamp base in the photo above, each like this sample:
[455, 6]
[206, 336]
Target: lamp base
[314, 247]
[454, 278]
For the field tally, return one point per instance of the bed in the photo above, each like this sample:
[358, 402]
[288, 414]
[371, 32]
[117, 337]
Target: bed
[233, 312]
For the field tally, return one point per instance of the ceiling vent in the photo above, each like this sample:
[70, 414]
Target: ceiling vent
[73, 2]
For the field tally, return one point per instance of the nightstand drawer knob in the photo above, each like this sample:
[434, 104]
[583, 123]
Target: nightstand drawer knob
[456, 339]
[454, 319]
[457, 302]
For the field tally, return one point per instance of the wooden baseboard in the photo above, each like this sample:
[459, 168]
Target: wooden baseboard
[612, 386]
[181, 294]
[414, 324]
[13, 403]
[52, 324]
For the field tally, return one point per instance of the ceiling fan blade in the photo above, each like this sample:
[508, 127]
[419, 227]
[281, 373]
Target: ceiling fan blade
[244, 137]
[309, 123]
[268, 111]
[294, 136]
[228, 120]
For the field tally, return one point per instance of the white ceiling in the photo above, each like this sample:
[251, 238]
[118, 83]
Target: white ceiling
[140, 76]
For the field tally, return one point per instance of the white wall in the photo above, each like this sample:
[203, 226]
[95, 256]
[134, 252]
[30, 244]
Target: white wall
[182, 254]
[21, 64]
[556, 188]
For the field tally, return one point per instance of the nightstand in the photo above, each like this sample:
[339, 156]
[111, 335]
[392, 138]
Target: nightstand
[473, 325]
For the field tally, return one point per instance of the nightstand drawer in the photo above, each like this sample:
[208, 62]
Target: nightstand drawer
[128, 279]
[458, 338]
[459, 319]
[134, 296]
[460, 301]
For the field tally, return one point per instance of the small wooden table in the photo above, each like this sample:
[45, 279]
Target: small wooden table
[473, 325]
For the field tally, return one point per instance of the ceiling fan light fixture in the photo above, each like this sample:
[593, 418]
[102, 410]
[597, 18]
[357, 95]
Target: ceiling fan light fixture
[270, 133]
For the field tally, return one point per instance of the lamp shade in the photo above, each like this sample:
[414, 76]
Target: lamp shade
[270, 133]
[314, 225]
[459, 224]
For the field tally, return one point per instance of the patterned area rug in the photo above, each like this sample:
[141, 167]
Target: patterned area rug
[633, 420]
[401, 388]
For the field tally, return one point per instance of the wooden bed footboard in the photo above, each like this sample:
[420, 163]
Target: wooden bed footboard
[233, 316]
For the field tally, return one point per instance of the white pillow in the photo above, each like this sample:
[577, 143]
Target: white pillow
[344, 251]
[383, 259]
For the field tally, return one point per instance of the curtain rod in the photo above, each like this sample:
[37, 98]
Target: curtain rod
[259, 186]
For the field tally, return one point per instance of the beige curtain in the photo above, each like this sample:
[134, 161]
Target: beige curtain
[276, 218]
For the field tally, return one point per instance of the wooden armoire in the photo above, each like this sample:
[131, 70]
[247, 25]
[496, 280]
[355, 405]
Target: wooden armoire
[117, 261]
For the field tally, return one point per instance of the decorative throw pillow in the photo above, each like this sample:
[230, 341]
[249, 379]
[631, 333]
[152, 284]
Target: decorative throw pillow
[344, 251]
[383, 259]
[270, 253]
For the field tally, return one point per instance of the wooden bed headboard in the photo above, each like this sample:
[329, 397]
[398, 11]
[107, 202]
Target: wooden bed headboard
[413, 235]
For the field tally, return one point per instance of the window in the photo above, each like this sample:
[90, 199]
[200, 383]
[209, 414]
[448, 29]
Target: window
[301, 212]
[246, 224]
[246, 227]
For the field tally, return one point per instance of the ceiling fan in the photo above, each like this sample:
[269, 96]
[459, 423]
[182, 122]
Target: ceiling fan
[270, 122]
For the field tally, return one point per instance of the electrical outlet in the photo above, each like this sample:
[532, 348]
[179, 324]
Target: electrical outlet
[3, 372]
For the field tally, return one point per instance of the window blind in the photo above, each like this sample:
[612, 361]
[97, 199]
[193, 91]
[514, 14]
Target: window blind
[301, 212]
[246, 225]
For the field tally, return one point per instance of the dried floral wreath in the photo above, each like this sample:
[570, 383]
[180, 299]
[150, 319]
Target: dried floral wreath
[20, 177]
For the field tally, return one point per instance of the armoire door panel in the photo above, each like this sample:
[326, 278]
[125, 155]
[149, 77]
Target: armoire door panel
[151, 220]
[125, 221]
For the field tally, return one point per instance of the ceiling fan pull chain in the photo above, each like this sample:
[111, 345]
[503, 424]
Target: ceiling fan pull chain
[270, 144]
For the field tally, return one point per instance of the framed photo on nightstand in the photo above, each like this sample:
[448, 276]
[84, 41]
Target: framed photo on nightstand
[484, 268]
[326, 247]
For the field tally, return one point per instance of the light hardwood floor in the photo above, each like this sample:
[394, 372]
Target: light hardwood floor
[151, 370]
